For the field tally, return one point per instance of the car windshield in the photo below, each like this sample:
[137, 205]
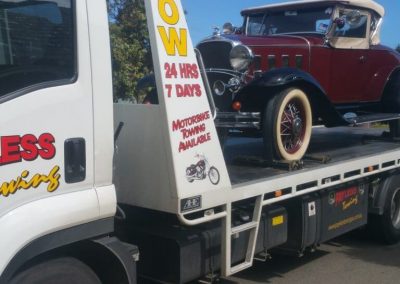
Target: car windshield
[314, 20]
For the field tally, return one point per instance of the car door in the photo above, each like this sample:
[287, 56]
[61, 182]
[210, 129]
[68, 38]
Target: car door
[350, 57]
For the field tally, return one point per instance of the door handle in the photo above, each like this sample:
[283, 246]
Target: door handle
[75, 160]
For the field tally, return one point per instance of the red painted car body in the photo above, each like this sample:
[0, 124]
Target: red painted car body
[343, 69]
[347, 75]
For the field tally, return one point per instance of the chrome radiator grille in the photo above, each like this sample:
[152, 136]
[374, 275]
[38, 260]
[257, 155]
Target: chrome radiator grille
[216, 54]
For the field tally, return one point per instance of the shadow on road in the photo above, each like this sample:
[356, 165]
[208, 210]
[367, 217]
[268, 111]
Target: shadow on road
[277, 267]
[359, 245]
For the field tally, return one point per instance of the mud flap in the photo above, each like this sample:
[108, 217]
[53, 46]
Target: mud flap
[126, 253]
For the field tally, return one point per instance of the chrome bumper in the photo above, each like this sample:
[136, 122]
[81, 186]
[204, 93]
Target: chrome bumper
[238, 120]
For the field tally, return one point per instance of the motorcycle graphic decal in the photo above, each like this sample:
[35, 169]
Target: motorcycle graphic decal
[201, 170]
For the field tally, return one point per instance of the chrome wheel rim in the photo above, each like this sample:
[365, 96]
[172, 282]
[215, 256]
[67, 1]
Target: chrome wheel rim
[293, 126]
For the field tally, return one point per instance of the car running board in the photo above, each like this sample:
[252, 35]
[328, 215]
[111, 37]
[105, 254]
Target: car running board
[355, 120]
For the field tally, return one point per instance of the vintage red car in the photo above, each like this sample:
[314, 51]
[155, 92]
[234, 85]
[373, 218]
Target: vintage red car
[298, 64]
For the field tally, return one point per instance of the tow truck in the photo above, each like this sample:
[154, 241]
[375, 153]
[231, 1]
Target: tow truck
[85, 184]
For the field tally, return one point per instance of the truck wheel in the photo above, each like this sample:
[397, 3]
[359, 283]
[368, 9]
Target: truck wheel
[57, 271]
[390, 220]
[287, 125]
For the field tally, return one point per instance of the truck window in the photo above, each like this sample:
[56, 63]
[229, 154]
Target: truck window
[36, 44]
[133, 79]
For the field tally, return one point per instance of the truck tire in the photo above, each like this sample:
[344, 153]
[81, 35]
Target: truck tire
[64, 270]
[287, 125]
[390, 220]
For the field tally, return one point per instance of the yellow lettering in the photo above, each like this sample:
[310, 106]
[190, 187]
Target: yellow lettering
[348, 204]
[345, 222]
[171, 19]
[8, 188]
[173, 42]
[52, 179]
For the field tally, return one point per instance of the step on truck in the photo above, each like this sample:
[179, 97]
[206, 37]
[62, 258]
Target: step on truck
[85, 184]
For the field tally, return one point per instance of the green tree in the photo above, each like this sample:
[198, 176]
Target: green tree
[131, 54]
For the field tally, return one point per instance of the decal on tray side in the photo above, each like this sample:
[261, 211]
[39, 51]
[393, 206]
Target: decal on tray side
[345, 222]
[193, 130]
[345, 198]
[172, 41]
[352, 201]
[191, 127]
[201, 170]
[278, 220]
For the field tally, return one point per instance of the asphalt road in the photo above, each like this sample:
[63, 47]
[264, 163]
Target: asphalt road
[353, 258]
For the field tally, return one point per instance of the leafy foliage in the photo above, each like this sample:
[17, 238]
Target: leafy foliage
[131, 52]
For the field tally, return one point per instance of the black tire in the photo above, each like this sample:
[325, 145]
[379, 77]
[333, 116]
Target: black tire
[64, 270]
[213, 175]
[390, 220]
[287, 125]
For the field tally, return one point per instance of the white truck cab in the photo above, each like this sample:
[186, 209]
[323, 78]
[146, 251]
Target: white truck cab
[84, 181]
[56, 121]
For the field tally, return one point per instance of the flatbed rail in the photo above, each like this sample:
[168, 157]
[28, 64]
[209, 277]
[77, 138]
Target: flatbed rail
[352, 160]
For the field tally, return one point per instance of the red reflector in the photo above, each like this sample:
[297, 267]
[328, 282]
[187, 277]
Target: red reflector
[236, 106]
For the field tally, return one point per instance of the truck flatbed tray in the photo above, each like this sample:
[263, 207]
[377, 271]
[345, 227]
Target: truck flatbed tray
[339, 144]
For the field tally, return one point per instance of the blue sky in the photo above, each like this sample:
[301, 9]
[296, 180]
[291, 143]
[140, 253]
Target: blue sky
[203, 15]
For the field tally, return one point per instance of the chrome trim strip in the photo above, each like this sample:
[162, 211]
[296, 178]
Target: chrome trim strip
[238, 115]
[238, 120]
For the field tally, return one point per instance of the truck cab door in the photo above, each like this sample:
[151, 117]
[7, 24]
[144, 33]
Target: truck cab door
[350, 64]
[46, 117]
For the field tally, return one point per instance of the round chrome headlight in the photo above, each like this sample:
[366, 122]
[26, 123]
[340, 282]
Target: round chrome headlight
[219, 88]
[241, 57]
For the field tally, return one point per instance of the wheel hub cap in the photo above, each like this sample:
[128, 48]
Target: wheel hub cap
[292, 127]
[297, 127]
